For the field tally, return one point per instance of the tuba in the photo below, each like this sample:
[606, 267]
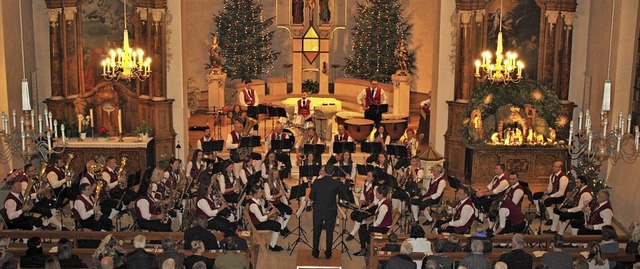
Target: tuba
[245, 153]
[121, 172]
[96, 169]
[569, 202]
[68, 172]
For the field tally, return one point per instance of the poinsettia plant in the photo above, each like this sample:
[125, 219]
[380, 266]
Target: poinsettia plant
[102, 132]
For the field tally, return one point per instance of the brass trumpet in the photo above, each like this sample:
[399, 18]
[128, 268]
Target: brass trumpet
[68, 172]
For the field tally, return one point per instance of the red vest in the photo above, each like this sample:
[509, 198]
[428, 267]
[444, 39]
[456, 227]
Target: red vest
[194, 171]
[234, 140]
[249, 100]
[152, 206]
[496, 181]
[306, 109]
[228, 182]
[199, 211]
[58, 172]
[433, 186]
[369, 194]
[274, 191]
[372, 99]
[87, 204]
[254, 219]
[555, 183]
[114, 177]
[511, 191]
[274, 136]
[594, 217]
[247, 174]
[169, 183]
[17, 200]
[515, 215]
[577, 196]
[345, 138]
[458, 212]
[90, 177]
[386, 220]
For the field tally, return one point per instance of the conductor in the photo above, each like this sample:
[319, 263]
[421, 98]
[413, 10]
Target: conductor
[323, 194]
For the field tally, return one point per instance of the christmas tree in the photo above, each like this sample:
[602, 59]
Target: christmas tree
[590, 168]
[379, 34]
[244, 39]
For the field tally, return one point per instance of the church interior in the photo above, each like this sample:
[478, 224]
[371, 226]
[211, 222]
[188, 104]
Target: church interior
[465, 88]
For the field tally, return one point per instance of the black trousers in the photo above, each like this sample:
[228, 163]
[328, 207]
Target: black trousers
[449, 229]
[284, 209]
[549, 201]
[361, 216]
[24, 223]
[43, 209]
[219, 223]
[269, 225]
[107, 206]
[327, 223]
[63, 196]
[564, 216]
[424, 204]
[154, 225]
[483, 203]
[584, 230]
[514, 228]
[103, 223]
[365, 233]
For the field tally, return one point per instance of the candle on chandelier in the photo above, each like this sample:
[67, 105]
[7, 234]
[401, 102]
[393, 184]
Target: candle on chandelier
[24, 142]
[50, 120]
[580, 122]
[49, 140]
[22, 124]
[620, 122]
[637, 137]
[64, 136]
[590, 141]
[46, 122]
[3, 127]
[618, 143]
[14, 119]
[520, 67]
[570, 132]
[604, 130]
[55, 128]
[39, 124]
[104, 68]
[629, 123]
[33, 119]
[477, 68]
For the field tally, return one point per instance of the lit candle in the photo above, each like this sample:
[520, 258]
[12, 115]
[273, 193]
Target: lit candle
[39, 124]
[104, 68]
[91, 117]
[629, 123]
[64, 136]
[580, 122]
[49, 140]
[590, 140]
[79, 124]
[46, 122]
[119, 121]
[33, 119]
[50, 120]
[55, 128]
[21, 124]
[24, 142]
[14, 119]
[570, 132]
[477, 68]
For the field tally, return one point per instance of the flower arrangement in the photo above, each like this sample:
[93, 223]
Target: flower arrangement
[102, 133]
[144, 128]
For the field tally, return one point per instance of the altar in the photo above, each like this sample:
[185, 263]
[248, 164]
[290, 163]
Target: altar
[141, 153]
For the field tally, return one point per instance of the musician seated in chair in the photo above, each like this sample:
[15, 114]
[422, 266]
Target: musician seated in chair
[57, 178]
[368, 205]
[233, 141]
[270, 163]
[195, 165]
[230, 186]
[148, 212]
[381, 223]
[17, 208]
[88, 211]
[509, 217]
[598, 215]
[276, 194]
[310, 138]
[496, 188]
[573, 206]
[554, 195]
[114, 180]
[411, 143]
[381, 136]
[213, 208]
[432, 196]
[463, 214]
[342, 135]
[263, 219]
[303, 108]
[42, 194]
[278, 134]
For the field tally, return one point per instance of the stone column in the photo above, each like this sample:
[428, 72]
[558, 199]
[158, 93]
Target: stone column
[156, 49]
[56, 61]
[401, 90]
[215, 85]
[71, 82]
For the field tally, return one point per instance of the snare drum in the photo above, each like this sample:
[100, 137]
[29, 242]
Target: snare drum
[359, 129]
[395, 124]
[342, 116]
[298, 121]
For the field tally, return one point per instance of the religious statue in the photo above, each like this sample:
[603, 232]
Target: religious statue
[325, 13]
[401, 53]
[298, 11]
[215, 60]
[79, 105]
[312, 8]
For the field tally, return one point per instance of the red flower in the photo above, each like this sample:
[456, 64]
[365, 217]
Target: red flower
[102, 130]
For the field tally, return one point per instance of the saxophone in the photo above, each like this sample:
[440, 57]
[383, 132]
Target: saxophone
[68, 172]
[121, 172]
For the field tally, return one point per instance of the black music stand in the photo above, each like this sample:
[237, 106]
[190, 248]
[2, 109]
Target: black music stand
[281, 144]
[398, 151]
[341, 170]
[371, 147]
[253, 111]
[379, 109]
[301, 233]
[315, 149]
[364, 169]
[309, 171]
[340, 147]
[212, 146]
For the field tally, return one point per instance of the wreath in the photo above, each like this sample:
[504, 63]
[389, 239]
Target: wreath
[489, 97]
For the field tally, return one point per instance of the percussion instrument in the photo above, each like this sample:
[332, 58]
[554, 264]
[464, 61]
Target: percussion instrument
[343, 116]
[298, 121]
[359, 129]
[395, 124]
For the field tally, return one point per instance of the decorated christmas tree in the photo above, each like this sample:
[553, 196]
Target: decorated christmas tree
[244, 39]
[590, 168]
[379, 41]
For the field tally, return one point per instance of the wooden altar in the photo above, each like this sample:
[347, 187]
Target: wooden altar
[531, 163]
[141, 153]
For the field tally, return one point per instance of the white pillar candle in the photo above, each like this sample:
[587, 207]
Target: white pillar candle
[46, 122]
[14, 119]
[79, 124]
[24, 142]
[629, 123]
[620, 121]
[39, 124]
[91, 117]
[618, 143]
[55, 128]
[119, 121]
[64, 136]
[637, 136]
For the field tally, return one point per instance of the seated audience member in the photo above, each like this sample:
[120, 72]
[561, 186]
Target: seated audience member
[66, 258]
[440, 260]
[517, 258]
[52, 263]
[139, 258]
[543, 266]
[230, 258]
[633, 244]
[595, 257]
[170, 264]
[106, 263]
[5, 255]
[109, 248]
[500, 265]
[476, 258]
[170, 251]
[609, 243]
[556, 258]
[418, 241]
[581, 263]
[200, 232]
[199, 265]
[452, 244]
[197, 248]
[33, 257]
[402, 260]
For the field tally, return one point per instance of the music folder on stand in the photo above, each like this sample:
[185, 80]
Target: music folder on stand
[340, 147]
[371, 147]
[296, 193]
[340, 240]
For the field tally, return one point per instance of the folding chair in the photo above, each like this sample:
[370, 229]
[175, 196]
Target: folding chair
[259, 239]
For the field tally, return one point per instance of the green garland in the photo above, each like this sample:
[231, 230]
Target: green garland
[489, 97]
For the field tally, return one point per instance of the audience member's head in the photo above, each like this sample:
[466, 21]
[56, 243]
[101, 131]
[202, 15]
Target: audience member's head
[140, 241]
[518, 241]
[106, 262]
[477, 246]
[197, 246]
[169, 263]
[199, 265]
[437, 245]
[4, 242]
[64, 249]
[202, 222]
[417, 231]
[595, 253]
[581, 263]
[500, 265]
[406, 248]
[431, 264]
[558, 241]
[635, 234]
[34, 242]
[636, 265]
[52, 263]
[169, 244]
[454, 239]
[541, 266]
[229, 243]
[609, 233]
